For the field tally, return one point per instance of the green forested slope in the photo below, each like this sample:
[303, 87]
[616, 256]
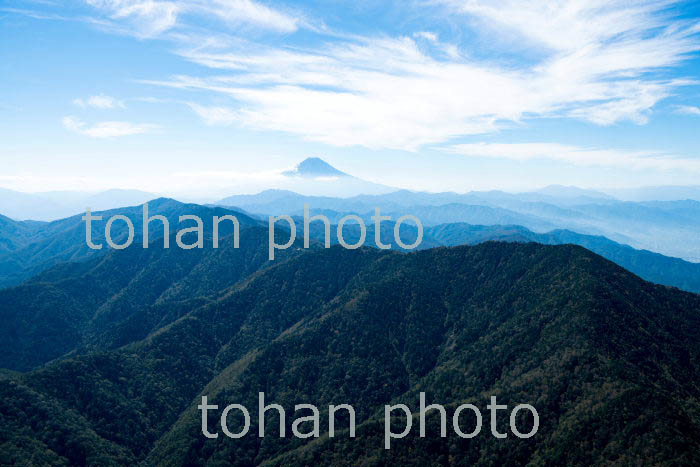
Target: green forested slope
[114, 299]
[609, 361]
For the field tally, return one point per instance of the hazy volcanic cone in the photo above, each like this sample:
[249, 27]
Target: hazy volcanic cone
[314, 167]
[316, 177]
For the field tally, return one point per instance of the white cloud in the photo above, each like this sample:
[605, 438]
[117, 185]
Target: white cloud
[573, 25]
[150, 18]
[106, 129]
[687, 110]
[427, 35]
[100, 102]
[248, 11]
[34, 14]
[147, 17]
[580, 156]
[389, 93]
[215, 115]
[597, 60]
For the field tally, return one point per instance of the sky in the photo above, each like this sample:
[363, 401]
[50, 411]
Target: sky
[200, 96]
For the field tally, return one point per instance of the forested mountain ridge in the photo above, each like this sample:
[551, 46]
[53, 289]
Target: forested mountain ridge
[609, 361]
[113, 298]
[43, 245]
[117, 298]
[30, 248]
[13, 234]
[650, 266]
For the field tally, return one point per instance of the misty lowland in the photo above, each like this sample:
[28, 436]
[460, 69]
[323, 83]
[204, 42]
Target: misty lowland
[581, 303]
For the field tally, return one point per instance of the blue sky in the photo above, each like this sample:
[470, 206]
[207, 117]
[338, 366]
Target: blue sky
[202, 96]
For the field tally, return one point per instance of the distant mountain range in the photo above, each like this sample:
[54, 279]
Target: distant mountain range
[137, 336]
[55, 205]
[30, 248]
[657, 193]
[667, 227]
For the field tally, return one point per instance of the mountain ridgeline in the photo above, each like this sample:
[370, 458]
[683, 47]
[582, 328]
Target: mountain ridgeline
[30, 248]
[668, 224]
[665, 220]
[35, 247]
[110, 355]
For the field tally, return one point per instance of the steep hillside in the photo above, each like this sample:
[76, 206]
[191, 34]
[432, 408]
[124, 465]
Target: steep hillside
[13, 234]
[119, 297]
[610, 362]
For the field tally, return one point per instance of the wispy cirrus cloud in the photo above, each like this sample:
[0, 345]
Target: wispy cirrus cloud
[149, 18]
[687, 110]
[427, 35]
[602, 62]
[575, 155]
[106, 129]
[608, 45]
[391, 93]
[213, 115]
[100, 102]
[599, 61]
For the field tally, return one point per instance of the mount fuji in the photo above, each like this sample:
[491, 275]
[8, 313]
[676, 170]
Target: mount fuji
[316, 177]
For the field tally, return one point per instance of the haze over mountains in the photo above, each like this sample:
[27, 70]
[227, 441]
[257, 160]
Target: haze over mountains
[657, 193]
[30, 248]
[669, 227]
[53, 205]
